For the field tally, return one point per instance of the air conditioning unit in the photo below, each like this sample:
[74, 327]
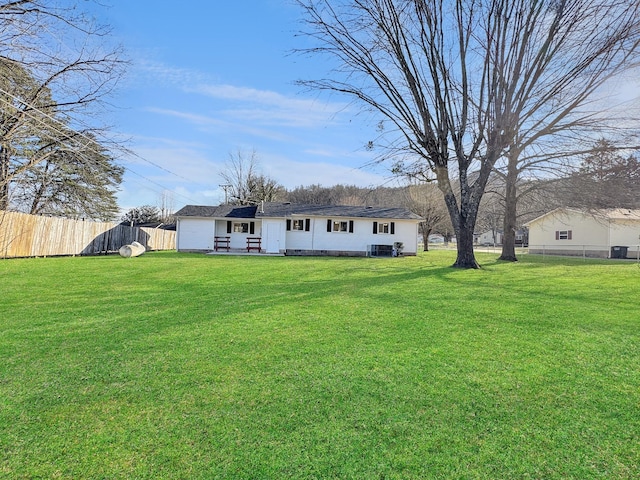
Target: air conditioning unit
[380, 250]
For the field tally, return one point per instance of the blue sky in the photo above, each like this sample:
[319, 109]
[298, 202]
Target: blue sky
[210, 78]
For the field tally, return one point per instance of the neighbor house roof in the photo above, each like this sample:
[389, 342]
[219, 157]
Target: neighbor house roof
[623, 214]
[610, 213]
[286, 209]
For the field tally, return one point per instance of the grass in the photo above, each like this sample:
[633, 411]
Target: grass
[191, 366]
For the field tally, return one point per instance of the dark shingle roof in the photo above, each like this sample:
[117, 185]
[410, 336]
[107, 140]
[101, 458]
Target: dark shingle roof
[286, 209]
[280, 209]
[229, 211]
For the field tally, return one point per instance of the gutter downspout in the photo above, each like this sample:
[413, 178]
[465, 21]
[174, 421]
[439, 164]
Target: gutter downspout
[177, 234]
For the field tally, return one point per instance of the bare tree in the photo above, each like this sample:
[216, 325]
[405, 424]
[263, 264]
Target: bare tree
[167, 207]
[311, 195]
[425, 66]
[426, 201]
[466, 83]
[247, 185]
[490, 216]
[55, 70]
[348, 195]
[558, 58]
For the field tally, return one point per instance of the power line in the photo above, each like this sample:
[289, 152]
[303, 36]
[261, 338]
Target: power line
[92, 142]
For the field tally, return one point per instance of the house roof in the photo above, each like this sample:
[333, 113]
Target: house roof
[623, 214]
[286, 209]
[610, 214]
[220, 211]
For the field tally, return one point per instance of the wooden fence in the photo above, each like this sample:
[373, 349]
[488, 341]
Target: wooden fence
[23, 235]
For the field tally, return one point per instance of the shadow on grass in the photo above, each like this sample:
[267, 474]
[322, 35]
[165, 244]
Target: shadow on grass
[177, 290]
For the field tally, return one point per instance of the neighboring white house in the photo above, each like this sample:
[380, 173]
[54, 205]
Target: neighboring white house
[496, 237]
[601, 233]
[490, 237]
[291, 229]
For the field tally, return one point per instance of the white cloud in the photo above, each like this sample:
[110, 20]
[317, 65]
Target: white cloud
[165, 74]
[194, 118]
[272, 108]
[292, 173]
[245, 94]
[215, 125]
[266, 107]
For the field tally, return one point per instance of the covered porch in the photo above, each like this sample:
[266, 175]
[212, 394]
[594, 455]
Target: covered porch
[237, 235]
[222, 243]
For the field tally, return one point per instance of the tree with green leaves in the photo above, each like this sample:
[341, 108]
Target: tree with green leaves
[143, 214]
[48, 89]
[608, 176]
[75, 179]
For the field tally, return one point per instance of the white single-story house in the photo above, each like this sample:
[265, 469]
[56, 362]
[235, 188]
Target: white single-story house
[610, 233]
[285, 228]
[490, 237]
[496, 237]
[435, 238]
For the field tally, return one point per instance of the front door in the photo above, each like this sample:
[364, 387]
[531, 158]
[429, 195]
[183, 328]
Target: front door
[273, 238]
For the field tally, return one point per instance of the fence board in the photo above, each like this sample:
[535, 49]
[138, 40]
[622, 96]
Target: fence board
[23, 235]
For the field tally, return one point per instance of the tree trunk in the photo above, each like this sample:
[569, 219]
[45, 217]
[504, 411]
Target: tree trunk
[464, 217]
[509, 235]
[425, 239]
[466, 257]
[464, 224]
[510, 212]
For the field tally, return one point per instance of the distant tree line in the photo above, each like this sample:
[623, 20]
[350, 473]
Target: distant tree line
[605, 176]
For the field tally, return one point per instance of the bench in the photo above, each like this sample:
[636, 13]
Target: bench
[221, 242]
[254, 243]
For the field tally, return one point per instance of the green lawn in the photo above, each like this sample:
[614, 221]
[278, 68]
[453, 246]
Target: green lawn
[191, 366]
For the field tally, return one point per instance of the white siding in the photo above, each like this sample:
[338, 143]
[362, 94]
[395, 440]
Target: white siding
[301, 240]
[590, 235]
[318, 238]
[490, 237]
[626, 233]
[195, 234]
[407, 233]
[238, 240]
[198, 234]
[585, 230]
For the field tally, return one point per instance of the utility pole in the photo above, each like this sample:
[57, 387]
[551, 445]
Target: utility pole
[225, 187]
